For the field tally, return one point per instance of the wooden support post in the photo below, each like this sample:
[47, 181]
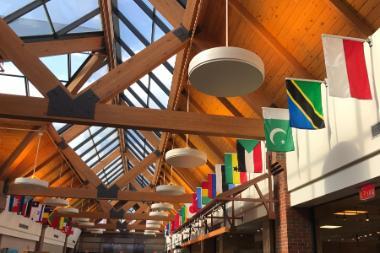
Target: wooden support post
[40, 243]
[65, 244]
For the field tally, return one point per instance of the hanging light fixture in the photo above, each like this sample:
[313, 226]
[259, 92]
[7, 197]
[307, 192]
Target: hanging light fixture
[68, 209]
[151, 232]
[187, 157]
[152, 226]
[226, 71]
[166, 207]
[33, 180]
[170, 189]
[80, 219]
[158, 214]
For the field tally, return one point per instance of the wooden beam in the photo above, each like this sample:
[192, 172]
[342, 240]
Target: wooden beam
[137, 169]
[109, 37]
[81, 193]
[353, 17]
[95, 61]
[91, 43]
[127, 216]
[270, 39]
[110, 226]
[151, 137]
[171, 10]
[138, 118]
[124, 75]
[12, 47]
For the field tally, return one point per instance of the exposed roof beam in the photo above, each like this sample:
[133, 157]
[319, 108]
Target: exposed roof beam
[12, 47]
[351, 15]
[138, 118]
[94, 62]
[270, 39]
[110, 226]
[103, 163]
[133, 173]
[82, 193]
[170, 9]
[125, 74]
[92, 43]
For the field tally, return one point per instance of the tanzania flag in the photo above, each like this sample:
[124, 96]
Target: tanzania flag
[278, 133]
[249, 156]
[305, 104]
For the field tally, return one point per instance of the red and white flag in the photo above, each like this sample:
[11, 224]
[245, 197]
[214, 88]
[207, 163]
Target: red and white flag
[346, 67]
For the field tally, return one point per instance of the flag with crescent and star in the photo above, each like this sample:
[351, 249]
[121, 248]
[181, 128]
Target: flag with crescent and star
[278, 133]
[305, 103]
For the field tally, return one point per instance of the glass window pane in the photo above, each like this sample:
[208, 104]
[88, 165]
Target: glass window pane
[137, 17]
[95, 76]
[65, 12]
[130, 39]
[92, 25]
[58, 65]
[12, 85]
[79, 139]
[57, 126]
[33, 92]
[77, 60]
[164, 75]
[32, 23]
[109, 148]
[8, 7]
[10, 68]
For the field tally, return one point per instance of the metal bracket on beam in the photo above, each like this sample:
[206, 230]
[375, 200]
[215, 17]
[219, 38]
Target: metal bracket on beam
[122, 226]
[62, 144]
[117, 214]
[107, 193]
[157, 152]
[182, 33]
[61, 104]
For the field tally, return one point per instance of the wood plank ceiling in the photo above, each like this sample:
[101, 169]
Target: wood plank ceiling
[285, 34]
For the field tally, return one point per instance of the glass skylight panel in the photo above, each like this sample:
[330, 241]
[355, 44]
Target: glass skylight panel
[77, 59]
[33, 92]
[92, 25]
[164, 75]
[12, 85]
[58, 64]
[66, 12]
[7, 7]
[129, 38]
[32, 23]
[95, 76]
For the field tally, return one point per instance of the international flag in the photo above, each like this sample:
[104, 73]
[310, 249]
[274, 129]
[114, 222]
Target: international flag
[224, 178]
[54, 219]
[231, 164]
[243, 177]
[26, 206]
[183, 214]
[36, 211]
[16, 203]
[211, 185]
[346, 67]
[218, 179]
[236, 175]
[249, 156]
[278, 133]
[205, 198]
[231, 186]
[194, 205]
[199, 197]
[45, 215]
[305, 103]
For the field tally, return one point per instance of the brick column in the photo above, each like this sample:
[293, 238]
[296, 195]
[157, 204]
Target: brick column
[294, 229]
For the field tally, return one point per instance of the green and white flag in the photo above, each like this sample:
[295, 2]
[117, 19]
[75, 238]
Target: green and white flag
[278, 133]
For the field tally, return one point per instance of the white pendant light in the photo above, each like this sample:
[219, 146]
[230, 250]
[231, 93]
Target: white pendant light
[153, 226]
[56, 202]
[158, 222]
[185, 158]
[86, 224]
[158, 214]
[33, 181]
[170, 189]
[67, 210]
[96, 230]
[226, 71]
[162, 207]
[80, 219]
[151, 232]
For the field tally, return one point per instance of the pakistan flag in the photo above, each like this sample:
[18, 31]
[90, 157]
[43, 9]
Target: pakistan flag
[278, 133]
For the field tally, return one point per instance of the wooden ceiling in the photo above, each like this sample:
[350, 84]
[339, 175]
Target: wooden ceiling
[285, 34]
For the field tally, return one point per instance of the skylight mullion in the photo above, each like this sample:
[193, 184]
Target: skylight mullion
[135, 150]
[107, 145]
[117, 169]
[150, 94]
[143, 140]
[88, 138]
[159, 83]
[149, 12]
[78, 22]
[22, 11]
[112, 179]
[137, 97]
[112, 163]
[141, 145]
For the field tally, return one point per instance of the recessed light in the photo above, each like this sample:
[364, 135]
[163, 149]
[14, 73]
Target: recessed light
[330, 226]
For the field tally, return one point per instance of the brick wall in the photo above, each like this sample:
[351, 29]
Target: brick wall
[293, 225]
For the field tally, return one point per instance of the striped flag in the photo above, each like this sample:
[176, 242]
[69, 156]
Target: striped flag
[211, 185]
[236, 177]
[249, 156]
[199, 197]
[243, 177]
[218, 179]
[194, 205]
[346, 67]
[231, 164]
[205, 198]
[36, 211]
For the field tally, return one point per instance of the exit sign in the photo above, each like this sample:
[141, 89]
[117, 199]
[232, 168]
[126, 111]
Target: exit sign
[367, 192]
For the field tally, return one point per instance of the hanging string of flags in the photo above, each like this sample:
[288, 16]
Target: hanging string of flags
[347, 76]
